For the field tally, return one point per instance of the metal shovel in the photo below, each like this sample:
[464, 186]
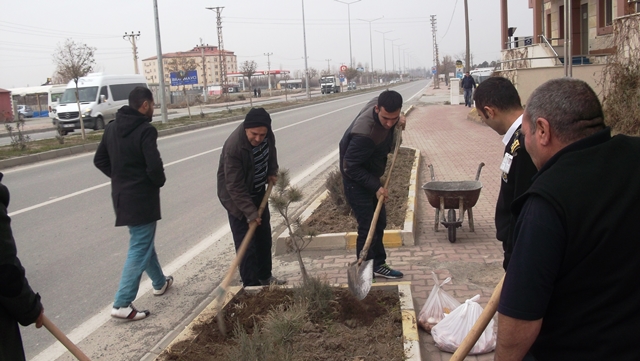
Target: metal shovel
[360, 272]
[221, 291]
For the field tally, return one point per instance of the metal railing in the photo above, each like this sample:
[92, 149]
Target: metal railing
[546, 41]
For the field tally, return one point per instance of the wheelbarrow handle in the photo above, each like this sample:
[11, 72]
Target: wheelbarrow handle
[479, 170]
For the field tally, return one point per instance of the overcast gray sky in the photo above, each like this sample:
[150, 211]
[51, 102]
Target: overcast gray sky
[30, 31]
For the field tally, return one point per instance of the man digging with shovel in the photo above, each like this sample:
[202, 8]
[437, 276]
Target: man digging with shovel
[363, 159]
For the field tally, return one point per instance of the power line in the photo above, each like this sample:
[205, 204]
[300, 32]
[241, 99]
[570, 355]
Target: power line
[451, 20]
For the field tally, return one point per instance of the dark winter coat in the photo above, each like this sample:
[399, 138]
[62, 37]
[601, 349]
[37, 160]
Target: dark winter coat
[18, 302]
[128, 154]
[236, 172]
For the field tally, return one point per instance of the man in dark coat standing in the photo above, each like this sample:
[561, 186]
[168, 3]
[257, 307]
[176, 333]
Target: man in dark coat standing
[128, 154]
[468, 84]
[18, 302]
[248, 162]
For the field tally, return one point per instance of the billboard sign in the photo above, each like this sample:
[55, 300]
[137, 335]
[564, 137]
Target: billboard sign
[189, 79]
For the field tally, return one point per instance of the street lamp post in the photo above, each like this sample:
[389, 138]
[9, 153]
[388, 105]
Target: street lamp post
[384, 49]
[163, 103]
[393, 57]
[306, 68]
[371, 42]
[399, 61]
[269, 71]
[349, 17]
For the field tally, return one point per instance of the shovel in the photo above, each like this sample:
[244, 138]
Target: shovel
[221, 291]
[55, 331]
[478, 327]
[360, 272]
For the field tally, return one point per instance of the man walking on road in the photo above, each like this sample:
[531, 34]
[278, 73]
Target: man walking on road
[128, 154]
[571, 289]
[363, 158]
[249, 160]
[18, 302]
[498, 103]
[468, 84]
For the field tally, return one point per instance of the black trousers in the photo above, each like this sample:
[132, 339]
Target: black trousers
[363, 203]
[256, 264]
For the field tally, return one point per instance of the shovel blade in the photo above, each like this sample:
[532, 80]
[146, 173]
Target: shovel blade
[360, 278]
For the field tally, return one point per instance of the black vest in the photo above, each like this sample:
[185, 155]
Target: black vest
[594, 310]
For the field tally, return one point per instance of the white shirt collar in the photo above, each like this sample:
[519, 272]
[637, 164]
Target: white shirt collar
[512, 130]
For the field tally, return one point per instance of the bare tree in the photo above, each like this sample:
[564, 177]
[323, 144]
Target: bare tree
[313, 73]
[247, 69]
[73, 61]
[182, 65]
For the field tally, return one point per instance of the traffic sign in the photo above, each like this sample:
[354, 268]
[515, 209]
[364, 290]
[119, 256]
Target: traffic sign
[341, 77]
[360, 69]
[459, 64]
[433, 70]
[343, 68]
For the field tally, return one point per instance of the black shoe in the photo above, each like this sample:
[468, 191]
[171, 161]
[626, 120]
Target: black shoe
[272, 280]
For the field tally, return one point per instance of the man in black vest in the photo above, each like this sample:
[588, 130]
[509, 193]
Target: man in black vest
[498, 103]
[363, 159]
[571, 289]
[248, 162]
[128, 154]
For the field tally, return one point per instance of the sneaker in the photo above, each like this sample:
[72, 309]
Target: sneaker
[129, 313]
[164, 288]
[272, 280]
[387, 272]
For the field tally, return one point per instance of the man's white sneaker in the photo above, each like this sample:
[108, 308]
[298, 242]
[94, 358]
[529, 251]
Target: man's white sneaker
[129, 313]
[164, 288]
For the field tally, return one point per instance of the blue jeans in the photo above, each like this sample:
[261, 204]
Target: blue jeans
[363, 203]
[467, 96]
[141, 258]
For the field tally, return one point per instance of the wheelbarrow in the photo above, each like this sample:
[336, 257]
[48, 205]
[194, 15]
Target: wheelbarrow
[460, 195]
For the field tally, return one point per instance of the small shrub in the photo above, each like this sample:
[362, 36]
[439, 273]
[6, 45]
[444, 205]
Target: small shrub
[241, 97]
[317, 294]
[19, 141]
[336, 191]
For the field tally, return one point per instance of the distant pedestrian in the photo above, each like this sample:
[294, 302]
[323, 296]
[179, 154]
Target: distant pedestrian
[255, 92]
[248, 162]
[468, 84]
[18, 302]
[364, 148]
[128, 154]
[499, 105]
[259, 93]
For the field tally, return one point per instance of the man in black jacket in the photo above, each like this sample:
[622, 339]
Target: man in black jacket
[18, 302]
[468, 84]
[363, 159]
[128, 154]
[248, 161]
[571, 289]
[498, 103]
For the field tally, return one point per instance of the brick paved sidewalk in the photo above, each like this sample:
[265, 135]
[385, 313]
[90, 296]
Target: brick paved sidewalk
[455, 146]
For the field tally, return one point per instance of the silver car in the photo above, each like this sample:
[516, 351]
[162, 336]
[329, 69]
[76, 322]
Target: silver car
[25, 111]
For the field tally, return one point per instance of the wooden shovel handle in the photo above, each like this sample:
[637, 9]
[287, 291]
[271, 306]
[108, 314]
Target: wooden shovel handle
[478, 328]
[245, 241]
[55, 331]
[376, 214]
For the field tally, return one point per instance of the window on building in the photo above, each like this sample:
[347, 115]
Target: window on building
[561, 22]
[605, 16]
[548, 26]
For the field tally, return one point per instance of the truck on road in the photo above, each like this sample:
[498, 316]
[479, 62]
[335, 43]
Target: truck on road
[329, 84]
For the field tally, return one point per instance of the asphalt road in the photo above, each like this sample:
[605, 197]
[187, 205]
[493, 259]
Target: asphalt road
[63, 219]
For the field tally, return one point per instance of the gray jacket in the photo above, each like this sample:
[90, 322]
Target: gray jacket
[236, 172]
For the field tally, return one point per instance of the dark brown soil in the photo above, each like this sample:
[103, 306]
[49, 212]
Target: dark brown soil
[328, 218]
[370, 329]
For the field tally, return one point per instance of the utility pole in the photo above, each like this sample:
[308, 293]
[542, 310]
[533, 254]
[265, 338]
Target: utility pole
[204, 71]
[222, 56]
[384, 49]
[466, 29]
[132, 39]
[349, 17]
[306, 68]
[436, 62]
[163, 103]
[371, 43]
[393, 57]
[269, 70]
[328, 66]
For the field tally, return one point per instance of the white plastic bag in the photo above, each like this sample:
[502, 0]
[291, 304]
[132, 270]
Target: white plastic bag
[451, 331]
[439, 303]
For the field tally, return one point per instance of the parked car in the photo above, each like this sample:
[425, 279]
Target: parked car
[25, 111]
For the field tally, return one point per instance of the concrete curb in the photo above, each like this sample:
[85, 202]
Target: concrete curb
[30, 131]
[410, 338]
[347, 240]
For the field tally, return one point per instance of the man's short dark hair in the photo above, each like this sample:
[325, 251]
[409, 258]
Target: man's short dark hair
[570, 106]
[390, 100]
[497, 92]
[138, 96]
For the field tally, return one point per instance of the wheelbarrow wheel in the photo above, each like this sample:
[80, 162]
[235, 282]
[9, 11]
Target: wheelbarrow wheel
[452, 227]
